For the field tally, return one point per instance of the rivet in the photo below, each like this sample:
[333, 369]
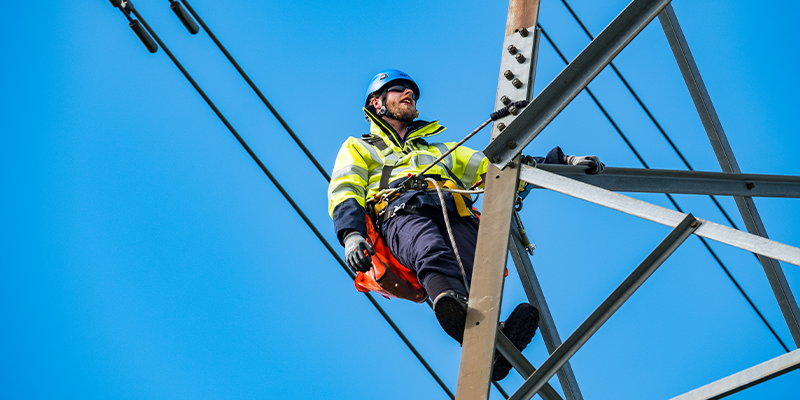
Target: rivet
[508, 74]
[520, 58]
[501, 126]
[505, 100]
[523, 32]
[512, 49]
[512, 144]
[517, 83]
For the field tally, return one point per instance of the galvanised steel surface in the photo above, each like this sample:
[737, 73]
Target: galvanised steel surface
[547, 327]
[661, 215]
[521, 364]
[491, 251]
[607, 308]
[745, 379]
[683, 182]
[574, 78]
[724, 153]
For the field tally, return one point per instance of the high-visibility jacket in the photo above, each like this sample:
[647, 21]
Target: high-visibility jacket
[361, 162]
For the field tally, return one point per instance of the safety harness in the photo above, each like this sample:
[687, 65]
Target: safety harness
[378, 207]
[388, 276]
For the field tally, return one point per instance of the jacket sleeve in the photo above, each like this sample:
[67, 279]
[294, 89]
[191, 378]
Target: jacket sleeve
[471, 164]
[554, 156]
[347, 190]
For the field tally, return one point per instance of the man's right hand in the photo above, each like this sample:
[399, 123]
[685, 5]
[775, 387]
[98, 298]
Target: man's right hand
[355, 245]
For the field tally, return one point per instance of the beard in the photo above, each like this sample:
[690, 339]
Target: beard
[401, 112]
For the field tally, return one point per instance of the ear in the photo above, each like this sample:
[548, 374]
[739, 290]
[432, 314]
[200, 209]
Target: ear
[376, 102]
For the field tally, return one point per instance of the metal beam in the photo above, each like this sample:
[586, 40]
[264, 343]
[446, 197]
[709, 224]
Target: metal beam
[522, 365]
[574, 78]
[683, 182]
[724, 153]
[745, 379]
[491, 251]
[606, 309]
[661, 215]
[547, 326]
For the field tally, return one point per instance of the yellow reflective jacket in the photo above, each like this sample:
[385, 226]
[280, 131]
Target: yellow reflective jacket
[359, 165]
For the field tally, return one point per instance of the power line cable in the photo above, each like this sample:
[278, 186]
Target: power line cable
[288, 129]
[671, 199]
[291, 201]
[257, 91]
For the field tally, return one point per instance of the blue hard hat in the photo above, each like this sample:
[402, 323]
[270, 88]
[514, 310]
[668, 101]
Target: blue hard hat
[390, 75]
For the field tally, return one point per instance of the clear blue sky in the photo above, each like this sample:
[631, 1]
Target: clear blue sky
[145, 256]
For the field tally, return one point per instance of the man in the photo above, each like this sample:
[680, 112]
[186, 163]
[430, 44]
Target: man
[413, 224]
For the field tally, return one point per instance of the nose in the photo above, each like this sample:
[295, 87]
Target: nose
[406, 92]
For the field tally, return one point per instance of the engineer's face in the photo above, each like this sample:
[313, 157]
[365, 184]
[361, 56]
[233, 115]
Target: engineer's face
[400, 102]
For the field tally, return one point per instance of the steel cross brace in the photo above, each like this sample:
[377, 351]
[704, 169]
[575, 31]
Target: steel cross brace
[607, 308]
[724, 153]
[745, 379]
[547, 326]
[572, 80]
[491, 252]
[683, 182]
[661, 215]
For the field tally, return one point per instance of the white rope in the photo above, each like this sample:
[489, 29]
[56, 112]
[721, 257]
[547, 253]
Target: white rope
[450, 230]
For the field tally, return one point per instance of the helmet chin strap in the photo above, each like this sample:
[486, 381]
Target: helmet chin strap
[384, 111]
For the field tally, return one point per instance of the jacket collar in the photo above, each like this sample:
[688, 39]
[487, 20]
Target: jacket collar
[417, 129]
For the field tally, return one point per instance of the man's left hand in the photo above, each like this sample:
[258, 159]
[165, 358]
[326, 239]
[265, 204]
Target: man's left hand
[594, 163]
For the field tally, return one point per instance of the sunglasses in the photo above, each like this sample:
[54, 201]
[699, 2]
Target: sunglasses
[402, 88]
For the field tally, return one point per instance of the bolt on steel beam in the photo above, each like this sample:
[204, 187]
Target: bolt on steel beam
[607, 308]
[574, 78]
[491, 251]
[724, 153]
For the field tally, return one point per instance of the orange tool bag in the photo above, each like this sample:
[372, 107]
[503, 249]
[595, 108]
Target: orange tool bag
[387, 276]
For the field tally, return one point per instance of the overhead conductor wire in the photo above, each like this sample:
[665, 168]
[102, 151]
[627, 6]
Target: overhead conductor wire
[291, 201]
[311, 157]
[671, 199]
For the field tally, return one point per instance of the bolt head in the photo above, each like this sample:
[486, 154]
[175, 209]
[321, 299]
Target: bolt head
[523, 32]
[496, 159]
[505, 100]
[512, 49]
[508, 74]
[501, 126]
[512, 144]
[513, 110]
[517, 83]
[520, 58]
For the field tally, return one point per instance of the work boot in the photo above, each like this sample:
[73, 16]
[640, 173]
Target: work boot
[450, 309]
[520, 327]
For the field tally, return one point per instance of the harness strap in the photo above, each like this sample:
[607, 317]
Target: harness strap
[388, 165]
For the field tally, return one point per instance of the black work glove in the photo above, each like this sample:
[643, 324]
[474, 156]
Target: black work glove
[594, 163]
[354, 247]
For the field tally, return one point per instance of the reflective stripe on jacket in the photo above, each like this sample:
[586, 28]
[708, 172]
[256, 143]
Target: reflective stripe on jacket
[359, 165]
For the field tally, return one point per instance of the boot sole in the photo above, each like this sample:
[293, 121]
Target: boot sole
[452, 316]
[520, 328]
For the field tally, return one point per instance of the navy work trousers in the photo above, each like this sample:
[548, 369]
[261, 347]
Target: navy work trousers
[421, 243]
